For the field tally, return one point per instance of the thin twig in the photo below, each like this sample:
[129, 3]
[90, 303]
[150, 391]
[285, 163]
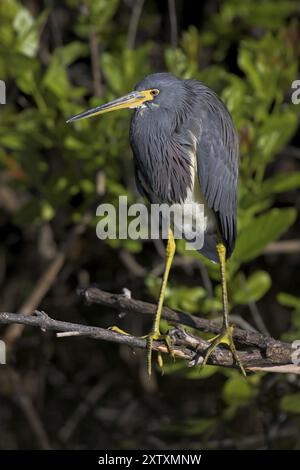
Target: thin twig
[97, 85]
[257, 318]
[173, 23]
[241, 322]
[46, 280]
[280, 369]
[25, 402]
[283, 247]
[255, 441]
[93, 396]
[66, 334]
[134, 22]
[131, 264]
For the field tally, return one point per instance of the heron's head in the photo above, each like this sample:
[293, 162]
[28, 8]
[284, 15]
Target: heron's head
[169, 90]
[156, 91]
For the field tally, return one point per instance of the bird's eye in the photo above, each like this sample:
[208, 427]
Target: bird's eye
[154, 92]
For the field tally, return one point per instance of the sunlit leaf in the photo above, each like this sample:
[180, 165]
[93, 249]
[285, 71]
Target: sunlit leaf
[291, 403]
[252, 289]
[261, 231]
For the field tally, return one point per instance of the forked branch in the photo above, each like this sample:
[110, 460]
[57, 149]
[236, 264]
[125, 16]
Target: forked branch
[259, 352]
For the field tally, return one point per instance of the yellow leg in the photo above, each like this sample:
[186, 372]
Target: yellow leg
[155, 332]
[225, 335]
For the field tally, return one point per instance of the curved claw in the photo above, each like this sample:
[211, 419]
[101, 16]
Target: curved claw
[225, 337]
[156, 336]
[118, 330]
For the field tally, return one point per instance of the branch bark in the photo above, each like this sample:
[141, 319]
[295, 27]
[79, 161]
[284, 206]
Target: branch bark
[262, 352]
[271, 349]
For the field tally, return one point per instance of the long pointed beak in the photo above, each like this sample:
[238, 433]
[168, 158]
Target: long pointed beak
[132, 100]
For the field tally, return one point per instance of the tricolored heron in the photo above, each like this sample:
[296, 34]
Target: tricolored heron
[185, 150]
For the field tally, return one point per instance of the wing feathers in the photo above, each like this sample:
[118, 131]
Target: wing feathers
[217, 160]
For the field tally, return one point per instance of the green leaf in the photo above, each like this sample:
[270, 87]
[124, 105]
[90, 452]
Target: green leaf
[180, 297]
[72, 52]
[269, 60]
[252, 289]
[56, 79]
[27, 29]
[277, 184]
[124, 70]
[261, 231]
[288, 300]
[101, 11]
[23, 21]
[47, 211]
[191, 427]
[245, 60]
[175, 367]
[238, 390]
[280, 183]
[26, 80]
[276, 132]
[195, 427]
[291, 403]
[196, 373]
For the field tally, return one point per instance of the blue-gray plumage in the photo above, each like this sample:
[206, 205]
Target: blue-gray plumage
[187, 128]
[185, 151]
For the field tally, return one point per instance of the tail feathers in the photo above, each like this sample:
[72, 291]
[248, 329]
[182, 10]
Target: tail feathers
[209, 248]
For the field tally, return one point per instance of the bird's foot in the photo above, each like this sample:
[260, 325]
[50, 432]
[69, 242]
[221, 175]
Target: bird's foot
[152, 336]
[117, 330]
[224, 337]
[157, 336]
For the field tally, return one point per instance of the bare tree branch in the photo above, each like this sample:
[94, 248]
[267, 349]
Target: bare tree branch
[24, 401]
[263, 353]
[173, 23]
[283, 247]
[95, 54]
[134, 22]
[270, 347]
